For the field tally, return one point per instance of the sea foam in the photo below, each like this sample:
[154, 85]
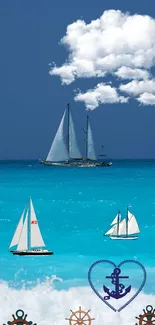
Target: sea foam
[45, 305]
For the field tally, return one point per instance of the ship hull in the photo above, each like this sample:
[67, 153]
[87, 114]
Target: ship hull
[124, 238]
[34, 253]
[76, 164]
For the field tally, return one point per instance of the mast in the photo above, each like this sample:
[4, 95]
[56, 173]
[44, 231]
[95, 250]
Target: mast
[29, 225]
[118, 223]
[87, 137]
[68, 135]
[127, 223]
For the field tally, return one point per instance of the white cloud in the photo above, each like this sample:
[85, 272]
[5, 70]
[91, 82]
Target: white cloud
[101, 94]
[117, 44]
[106, 44]
[67, 73]
[135, 88]
[129, 73]
[146, 99]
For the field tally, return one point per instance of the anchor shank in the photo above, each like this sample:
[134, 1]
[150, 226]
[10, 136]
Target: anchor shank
[117, 286]
[116, 283]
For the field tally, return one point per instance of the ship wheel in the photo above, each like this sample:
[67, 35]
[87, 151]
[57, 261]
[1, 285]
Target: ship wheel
[148, 318]
[80, 317]
[20, 320]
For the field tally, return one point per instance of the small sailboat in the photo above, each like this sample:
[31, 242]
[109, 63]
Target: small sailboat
[90, 159]
[27, 236]
[65, 150]
[126, 229]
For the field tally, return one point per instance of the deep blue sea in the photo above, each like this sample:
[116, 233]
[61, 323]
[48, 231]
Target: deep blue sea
[74, 208]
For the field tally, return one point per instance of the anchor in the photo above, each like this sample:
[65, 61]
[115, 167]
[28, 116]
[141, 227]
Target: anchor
[117, 294]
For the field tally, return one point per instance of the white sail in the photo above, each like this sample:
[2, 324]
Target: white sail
[74, 151]
[23, 240]
[122, 227]
[133, 226]
[18, 231]
[130, 215]
[36, 239]
[116, 219]
[91, 148]
[114, 233]
[111, 231]
[58, 150]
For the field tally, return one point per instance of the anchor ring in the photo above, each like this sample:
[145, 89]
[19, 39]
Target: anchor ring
[19, 313]
[117, 270]
[149, 308]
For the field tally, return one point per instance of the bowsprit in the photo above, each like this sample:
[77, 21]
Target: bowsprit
[119, 291]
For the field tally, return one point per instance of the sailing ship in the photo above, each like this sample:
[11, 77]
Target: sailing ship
[27, 237]
[126, 229]
[66, 152]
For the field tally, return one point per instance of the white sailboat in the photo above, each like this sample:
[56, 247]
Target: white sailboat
[65, 151]
[27, 237]
[91, 156]
[126, 229]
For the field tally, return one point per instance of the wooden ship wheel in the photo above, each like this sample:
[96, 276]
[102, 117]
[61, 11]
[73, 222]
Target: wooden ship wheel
[80, 317]
[20, 319]
[148, 318]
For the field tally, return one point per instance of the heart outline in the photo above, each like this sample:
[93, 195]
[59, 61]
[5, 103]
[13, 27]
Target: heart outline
[113, 264]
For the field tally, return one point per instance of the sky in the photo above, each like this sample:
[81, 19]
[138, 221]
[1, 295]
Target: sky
[97, 55]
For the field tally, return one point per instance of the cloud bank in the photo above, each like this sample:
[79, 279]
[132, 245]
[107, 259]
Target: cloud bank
[115, 45]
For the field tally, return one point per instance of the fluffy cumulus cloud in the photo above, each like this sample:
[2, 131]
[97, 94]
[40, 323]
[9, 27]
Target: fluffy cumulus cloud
[129, 73]
[135, 87]
[100, 94]
[116, 44]
[147, 99]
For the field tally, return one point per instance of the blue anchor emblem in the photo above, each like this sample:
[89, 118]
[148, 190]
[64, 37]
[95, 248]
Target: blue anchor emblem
[118, 293]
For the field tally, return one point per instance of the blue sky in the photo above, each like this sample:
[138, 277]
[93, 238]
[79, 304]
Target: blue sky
[32, 101]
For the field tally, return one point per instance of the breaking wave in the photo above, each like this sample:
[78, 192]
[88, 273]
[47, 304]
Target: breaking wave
[45, 305]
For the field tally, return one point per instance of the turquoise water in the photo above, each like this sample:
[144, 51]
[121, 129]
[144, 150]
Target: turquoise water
[75, 207]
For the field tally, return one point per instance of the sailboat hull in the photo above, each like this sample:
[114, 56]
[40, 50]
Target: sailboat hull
[48, 163]
[34, 253]
[76, 164]
[124, 238]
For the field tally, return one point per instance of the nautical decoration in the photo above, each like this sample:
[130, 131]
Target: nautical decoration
[126, 229]
[20, 319]
[148, 318]
[27, 237]
[65, 150]
[120, 289]
[80, 317]
[118, 292]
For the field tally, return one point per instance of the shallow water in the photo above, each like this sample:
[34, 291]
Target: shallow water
[74, 207]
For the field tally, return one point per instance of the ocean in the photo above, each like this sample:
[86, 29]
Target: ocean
[74, 208]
